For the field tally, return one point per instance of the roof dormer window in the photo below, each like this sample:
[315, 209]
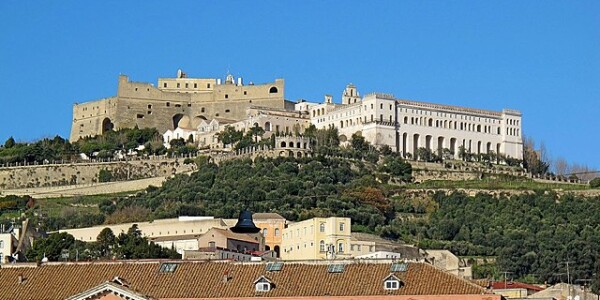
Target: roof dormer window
[392, 283]
[263, 284]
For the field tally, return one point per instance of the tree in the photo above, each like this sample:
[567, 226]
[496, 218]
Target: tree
[561, 166]
[10, 142]
[397, 167]
[256, 131]
[386, 150]
[533, 161]
[106, 241]
[175, 143]
[51, 247]
[595, 183]
[462, 153]
[425, 154]
[132, 245]
[229, 136]
[358, 142]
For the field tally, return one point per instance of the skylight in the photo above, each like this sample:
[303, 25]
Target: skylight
[399, 267]
[335, 268]
[273, 267]
[168, 267]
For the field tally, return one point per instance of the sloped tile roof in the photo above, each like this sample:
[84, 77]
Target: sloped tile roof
[499, 285]
[202, 279]
[263, 216]
[232, 235]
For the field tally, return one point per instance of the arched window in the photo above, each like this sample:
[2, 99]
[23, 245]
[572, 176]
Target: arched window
[322, 227]
[265, 231]
[322, 246]
[273, 90]
[276, 231]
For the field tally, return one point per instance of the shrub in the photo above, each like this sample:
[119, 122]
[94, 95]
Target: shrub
[105, 176]
[595, 183]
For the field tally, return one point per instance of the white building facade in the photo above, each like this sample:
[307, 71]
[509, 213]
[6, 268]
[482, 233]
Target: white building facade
[406, 125]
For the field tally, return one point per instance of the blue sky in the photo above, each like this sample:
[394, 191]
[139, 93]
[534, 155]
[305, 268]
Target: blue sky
[540, 57]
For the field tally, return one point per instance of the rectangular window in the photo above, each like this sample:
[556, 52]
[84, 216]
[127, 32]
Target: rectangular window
[178, 84]
[187, 85]
[195, 85]
[342, 226]
[165, 84]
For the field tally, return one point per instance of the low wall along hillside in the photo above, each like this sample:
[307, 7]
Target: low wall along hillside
[87, 173]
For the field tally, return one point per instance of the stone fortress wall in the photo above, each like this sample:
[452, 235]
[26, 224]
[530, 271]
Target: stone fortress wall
[175, 102]
[87, 173]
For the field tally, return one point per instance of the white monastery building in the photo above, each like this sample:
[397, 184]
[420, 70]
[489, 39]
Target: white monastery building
[406, 125]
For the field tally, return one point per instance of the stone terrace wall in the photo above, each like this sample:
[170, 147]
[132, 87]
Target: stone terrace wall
[85, 173]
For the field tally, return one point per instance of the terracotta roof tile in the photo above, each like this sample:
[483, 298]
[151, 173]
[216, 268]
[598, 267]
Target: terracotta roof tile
[202, 279]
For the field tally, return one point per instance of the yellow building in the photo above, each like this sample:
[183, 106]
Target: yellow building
[317, 238]
[272, 226]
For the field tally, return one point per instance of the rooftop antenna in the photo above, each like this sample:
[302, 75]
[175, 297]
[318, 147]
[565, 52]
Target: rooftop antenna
[505, 275]
[568, 277]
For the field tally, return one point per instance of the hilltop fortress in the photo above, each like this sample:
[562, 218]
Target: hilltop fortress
[176, 102]
[200, 107]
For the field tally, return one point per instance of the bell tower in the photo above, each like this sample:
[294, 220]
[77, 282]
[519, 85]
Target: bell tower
[350, 94]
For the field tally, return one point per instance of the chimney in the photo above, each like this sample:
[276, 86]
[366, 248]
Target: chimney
[226, 277]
